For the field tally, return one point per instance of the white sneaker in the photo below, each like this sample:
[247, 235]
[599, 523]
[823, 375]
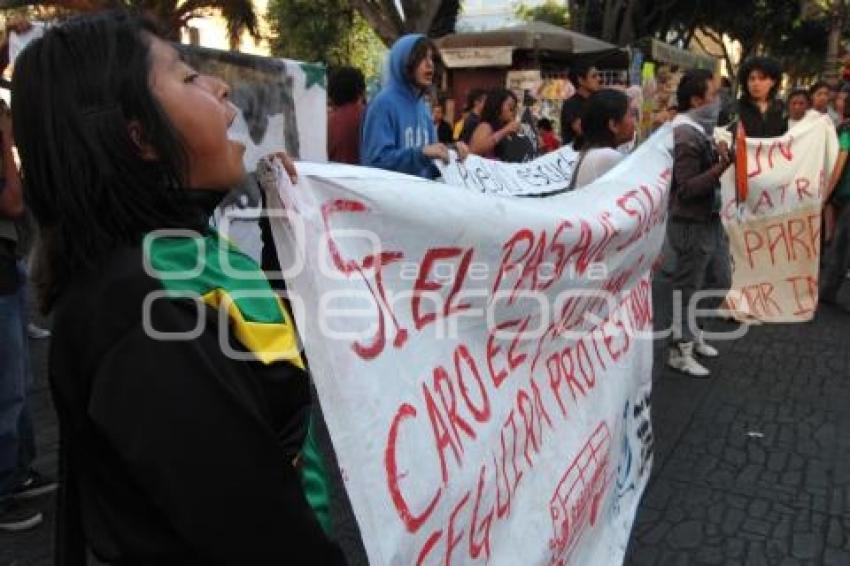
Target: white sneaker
[37, 332]
[702, 348]
[16, 518]
[682, 359]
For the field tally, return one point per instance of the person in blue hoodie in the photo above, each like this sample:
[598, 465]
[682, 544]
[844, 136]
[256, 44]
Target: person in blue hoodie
[398, 133]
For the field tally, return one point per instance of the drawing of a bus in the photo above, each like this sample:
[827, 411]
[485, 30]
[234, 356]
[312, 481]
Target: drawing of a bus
[579, 494]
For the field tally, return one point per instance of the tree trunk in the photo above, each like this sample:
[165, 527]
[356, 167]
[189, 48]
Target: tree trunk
[582, 27]
[627, 27]
[445, 19]
[724, 53]
[389, 24]
[383, 17]
[833, 47]
[418, 14]
[611, 19]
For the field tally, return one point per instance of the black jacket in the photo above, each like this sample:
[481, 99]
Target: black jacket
[469, 125]
[693, 191]
[771, 124]
[172, 452]
[570, 111]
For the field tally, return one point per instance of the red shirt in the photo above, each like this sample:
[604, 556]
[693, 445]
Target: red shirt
[550, 142]
[344, 133]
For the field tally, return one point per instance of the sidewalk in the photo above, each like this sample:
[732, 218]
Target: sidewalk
[751, 467]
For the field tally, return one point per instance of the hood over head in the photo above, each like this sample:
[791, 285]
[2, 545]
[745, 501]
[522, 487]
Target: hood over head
[398, 58]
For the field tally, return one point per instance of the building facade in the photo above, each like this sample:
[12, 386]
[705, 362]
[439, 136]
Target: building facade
[482, 15]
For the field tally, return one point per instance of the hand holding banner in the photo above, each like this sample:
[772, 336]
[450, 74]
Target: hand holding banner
[772, 213]
[481, 361]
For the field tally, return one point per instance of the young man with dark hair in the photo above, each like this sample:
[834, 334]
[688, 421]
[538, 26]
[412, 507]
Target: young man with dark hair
[347, 94]
[799, 104]
[820, 94]
[585, 79]
[474, 106]
[444, 129]
[398, 131]
[694, 230]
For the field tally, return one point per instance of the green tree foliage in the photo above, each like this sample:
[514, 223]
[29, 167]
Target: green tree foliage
[802, 48]
[835, 15]
[551, 12]
[326, 31]
[794, 31]
[173, 15]
[798, 42]
[624, 21]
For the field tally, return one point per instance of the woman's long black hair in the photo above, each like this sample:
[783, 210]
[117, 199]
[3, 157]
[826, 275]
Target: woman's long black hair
[492, 112]
[602, 107]
[75, 91]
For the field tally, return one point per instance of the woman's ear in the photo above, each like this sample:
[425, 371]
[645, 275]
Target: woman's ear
[139, 139]
[612, 125]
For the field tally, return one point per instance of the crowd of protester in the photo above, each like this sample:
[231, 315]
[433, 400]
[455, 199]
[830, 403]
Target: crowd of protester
[141, 144]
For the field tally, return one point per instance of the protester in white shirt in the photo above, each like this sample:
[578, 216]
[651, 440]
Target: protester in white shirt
[607, 124]
[799, 105]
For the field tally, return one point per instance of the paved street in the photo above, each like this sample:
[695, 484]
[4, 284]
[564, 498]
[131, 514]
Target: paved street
[751, 467]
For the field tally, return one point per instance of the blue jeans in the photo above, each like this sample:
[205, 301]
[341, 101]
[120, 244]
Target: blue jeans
[17, 439]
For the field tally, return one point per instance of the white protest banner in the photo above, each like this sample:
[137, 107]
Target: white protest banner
[283, 103]
[545, 176]
[482, 362]
[775, 234]
[524, 80]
